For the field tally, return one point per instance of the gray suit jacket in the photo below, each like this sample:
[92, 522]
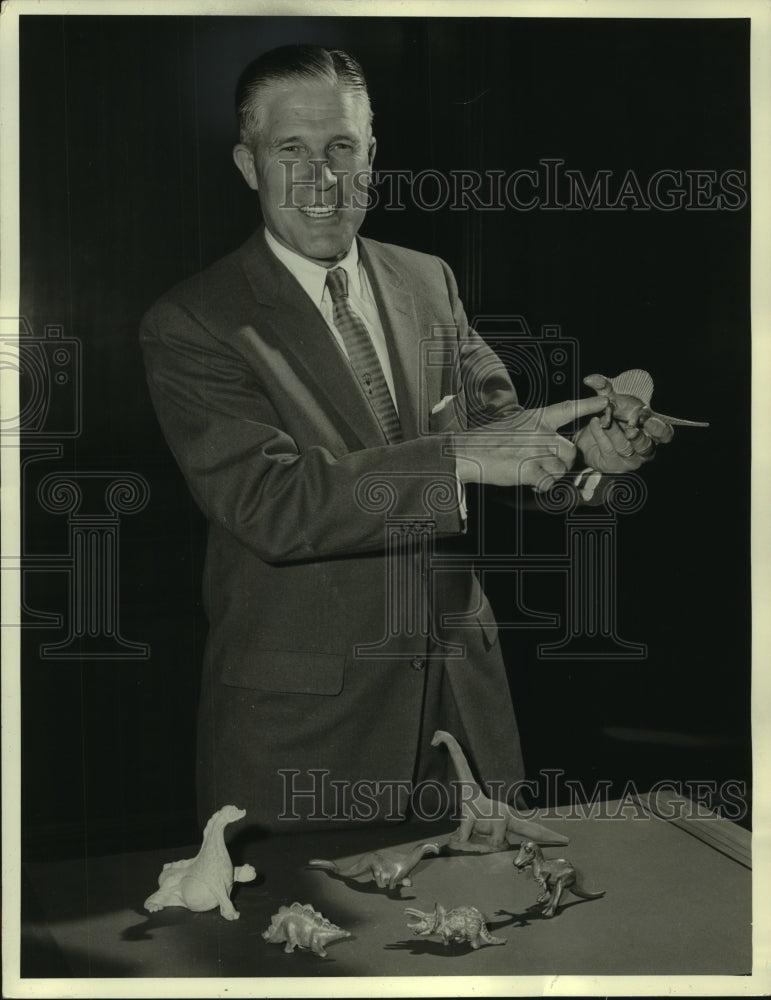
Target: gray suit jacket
[321, 597]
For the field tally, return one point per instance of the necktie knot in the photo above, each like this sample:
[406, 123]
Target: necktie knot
[337, 283]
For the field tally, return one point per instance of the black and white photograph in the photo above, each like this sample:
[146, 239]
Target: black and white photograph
[384, 545]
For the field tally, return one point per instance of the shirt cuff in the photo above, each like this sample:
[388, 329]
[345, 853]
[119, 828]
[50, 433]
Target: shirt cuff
[462, 509]
[586, 482]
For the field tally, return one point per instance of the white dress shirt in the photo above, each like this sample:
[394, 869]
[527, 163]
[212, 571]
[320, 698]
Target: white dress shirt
[313, 279]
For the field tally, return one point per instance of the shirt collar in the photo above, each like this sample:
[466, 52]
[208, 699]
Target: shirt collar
[313, 276]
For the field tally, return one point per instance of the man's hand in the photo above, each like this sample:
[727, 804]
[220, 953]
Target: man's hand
[523, 449]
[620, 449]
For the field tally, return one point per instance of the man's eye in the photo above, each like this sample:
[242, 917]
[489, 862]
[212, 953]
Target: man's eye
[290, 149]
[341, 147]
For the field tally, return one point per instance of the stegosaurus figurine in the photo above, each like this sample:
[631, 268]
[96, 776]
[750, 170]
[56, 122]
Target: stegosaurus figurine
[300, 926]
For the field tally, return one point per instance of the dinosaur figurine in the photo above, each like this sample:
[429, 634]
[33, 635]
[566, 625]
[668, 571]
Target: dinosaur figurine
[487, 817]
[388, 871]
[554, 877]
[300, 926]
[629, 395]
[464, 923]
[205, 881]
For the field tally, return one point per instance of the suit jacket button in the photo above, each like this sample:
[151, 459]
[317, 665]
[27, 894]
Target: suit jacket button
[418, 663]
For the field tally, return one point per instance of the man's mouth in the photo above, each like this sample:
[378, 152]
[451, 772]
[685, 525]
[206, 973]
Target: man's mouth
[318, 211]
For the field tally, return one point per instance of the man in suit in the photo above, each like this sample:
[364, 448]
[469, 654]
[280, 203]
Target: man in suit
[291, 382]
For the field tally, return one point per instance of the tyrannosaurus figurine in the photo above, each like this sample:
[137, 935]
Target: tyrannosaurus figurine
[554, 877]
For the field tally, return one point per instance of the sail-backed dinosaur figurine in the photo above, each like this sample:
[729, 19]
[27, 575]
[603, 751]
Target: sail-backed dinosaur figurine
[463, 924]
[629, 396]
[494, 820]
[300, 926]
[554, 877]
[388, 870]
[205, 881]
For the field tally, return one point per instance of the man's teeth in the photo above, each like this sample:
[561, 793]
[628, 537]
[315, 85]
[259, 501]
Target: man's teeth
[318, 212]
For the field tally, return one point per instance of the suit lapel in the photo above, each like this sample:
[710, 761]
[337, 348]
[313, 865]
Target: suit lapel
[396, 308]
[287, 314]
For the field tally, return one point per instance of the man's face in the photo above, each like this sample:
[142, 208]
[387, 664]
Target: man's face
[310, 166]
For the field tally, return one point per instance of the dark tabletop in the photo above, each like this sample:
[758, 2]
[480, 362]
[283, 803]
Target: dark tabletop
[674, 904]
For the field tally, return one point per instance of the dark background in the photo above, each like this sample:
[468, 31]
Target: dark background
[127, 186]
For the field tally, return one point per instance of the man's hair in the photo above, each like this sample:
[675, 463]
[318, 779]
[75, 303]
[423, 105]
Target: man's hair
[294, 63]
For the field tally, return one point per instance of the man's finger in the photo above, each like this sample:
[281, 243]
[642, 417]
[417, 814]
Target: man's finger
[604, 442]
[552, 465]
[645, 446]
[544, 481]
[542, 472]
[620, 442]
[659, 430]
[559, 414]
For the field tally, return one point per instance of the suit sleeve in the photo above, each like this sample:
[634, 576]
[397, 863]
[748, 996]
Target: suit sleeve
[487, 394]
[483, 383]
[249, 476]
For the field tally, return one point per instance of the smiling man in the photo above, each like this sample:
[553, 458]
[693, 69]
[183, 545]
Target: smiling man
[329, 461]
[306, 148]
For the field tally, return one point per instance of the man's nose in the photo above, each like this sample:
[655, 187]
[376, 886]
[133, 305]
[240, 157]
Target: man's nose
[323, 177]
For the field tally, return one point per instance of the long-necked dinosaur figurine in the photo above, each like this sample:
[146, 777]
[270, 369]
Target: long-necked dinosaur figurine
[496, 821]
[388, 870]
[205, 881]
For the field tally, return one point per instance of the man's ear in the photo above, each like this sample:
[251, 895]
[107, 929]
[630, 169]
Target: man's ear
[371, 151]
[244, 159]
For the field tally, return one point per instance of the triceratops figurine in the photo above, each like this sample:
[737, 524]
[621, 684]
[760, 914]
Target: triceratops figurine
[464, 923]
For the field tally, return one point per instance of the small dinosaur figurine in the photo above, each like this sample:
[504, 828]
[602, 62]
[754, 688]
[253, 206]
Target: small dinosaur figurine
[481, 815]
[388, 871]
[464, 923]
[205, 881]
[300, 926]
[554, 877]
[629, 395]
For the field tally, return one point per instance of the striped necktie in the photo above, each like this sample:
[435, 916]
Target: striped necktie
[363, 358]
